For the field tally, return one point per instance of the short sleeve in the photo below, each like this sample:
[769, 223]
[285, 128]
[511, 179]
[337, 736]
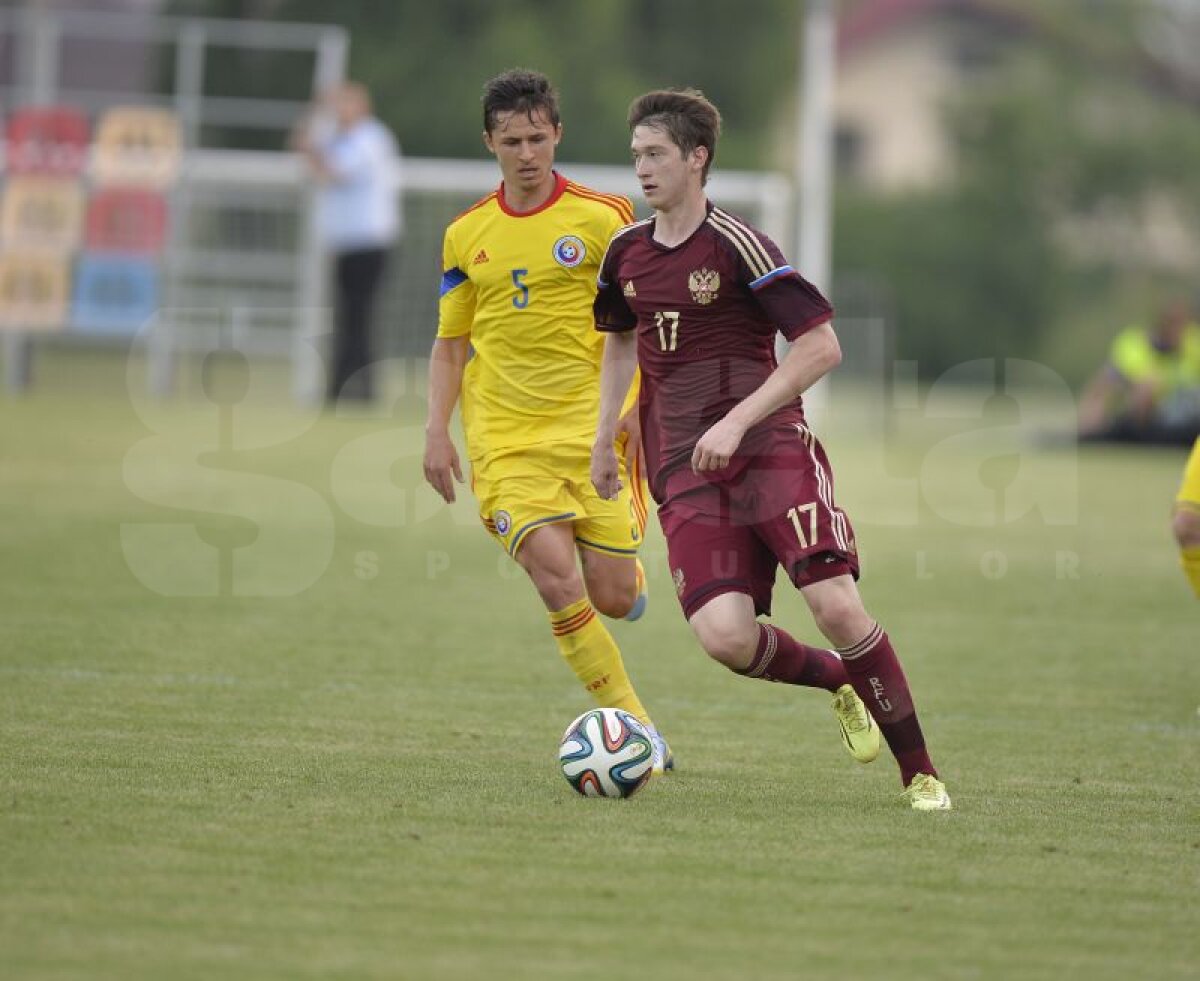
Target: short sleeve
[456, 301]
[794, 305]
[610, 309]
[786, 298]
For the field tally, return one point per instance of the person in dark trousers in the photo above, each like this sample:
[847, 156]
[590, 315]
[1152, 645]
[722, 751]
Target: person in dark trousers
[357, 161]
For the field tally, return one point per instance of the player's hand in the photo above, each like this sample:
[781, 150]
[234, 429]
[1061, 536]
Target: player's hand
[630, 426]
[441, 461]
[606, 471]
[716, 447]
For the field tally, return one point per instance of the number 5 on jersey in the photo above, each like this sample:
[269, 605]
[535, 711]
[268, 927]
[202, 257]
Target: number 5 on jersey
[667, 322]
[521, 300]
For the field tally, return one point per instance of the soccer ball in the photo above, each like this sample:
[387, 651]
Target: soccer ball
[606, 753]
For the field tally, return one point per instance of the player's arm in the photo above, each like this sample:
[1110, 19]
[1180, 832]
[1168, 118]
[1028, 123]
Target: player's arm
[617, 367]
[616, 375]
[447, 362]
[812, 355]
[618, 215]
[446, 366]
[630, 426]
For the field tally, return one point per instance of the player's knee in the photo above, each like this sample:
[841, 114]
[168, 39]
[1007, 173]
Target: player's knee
[840, 616]
[730, 642]
[613, 599]
[557, 590]
[1186, 526]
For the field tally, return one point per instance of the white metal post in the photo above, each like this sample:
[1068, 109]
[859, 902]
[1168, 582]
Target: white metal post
[189, 81]
[814, 156]
[37, 79]
[332, 55]
[40, 84]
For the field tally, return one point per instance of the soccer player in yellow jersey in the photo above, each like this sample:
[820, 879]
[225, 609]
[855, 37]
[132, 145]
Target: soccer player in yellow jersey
[517, 342]
[1186, 522]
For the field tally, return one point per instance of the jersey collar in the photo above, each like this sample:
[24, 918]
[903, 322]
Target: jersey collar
[560, 185]
[708, 210]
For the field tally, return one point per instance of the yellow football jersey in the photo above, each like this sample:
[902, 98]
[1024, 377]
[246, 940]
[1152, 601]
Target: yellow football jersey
[521, 286]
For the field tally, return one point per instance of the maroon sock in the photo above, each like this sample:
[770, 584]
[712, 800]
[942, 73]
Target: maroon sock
[780, 657]
[876, 675]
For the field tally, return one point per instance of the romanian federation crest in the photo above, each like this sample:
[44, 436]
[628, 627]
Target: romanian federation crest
[569, 251]
[503, 522]
[703, 284]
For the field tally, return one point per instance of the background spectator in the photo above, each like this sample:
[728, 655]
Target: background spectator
[356, 158]
[1149, 388]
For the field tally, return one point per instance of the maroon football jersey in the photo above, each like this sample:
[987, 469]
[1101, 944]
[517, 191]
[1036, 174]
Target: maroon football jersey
[706, 313]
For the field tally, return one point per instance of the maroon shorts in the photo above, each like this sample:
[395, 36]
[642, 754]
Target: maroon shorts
[731, 537]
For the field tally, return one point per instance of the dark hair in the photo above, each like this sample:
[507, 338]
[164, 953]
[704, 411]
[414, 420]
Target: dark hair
[519, 90]
[685, 115]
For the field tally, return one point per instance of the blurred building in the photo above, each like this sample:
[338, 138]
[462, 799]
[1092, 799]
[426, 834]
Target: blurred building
[902, 63]
[899, 64]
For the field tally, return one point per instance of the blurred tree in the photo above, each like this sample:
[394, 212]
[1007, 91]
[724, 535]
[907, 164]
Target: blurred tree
[426, 62]
[1061, 157]
[1062, 148]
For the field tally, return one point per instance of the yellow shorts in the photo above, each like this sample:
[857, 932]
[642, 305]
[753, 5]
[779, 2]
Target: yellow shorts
[1189, 491]
[548, 485]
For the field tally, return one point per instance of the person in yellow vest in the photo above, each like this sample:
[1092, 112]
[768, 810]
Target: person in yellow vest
[1149, 388]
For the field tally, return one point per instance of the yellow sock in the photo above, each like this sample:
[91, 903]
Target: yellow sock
[1189, 558]
[588, 647]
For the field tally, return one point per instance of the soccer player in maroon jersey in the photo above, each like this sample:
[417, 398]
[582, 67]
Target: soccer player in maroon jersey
[694, 295]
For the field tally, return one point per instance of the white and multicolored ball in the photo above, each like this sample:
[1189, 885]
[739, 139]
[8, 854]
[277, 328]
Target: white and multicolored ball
[606, 753]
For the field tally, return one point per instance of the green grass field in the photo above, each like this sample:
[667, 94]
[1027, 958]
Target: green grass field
[358, 780]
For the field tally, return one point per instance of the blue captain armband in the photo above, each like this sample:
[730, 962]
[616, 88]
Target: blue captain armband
[451, 278]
